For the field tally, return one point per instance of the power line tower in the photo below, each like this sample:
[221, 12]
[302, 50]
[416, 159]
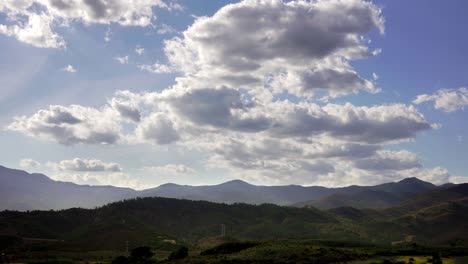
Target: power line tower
[223, 230]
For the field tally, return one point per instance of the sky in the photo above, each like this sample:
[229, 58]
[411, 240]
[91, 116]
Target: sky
[272, 92]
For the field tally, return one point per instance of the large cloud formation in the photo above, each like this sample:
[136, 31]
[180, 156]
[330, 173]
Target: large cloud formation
[247, 95]
[296, 46]
[32, 21]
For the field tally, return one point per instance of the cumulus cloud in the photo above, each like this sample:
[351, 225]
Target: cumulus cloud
[376, 124]
[334, 80]
[90, 165]
[36, 31]
[126, 109]
[215, 107]
[29, 163]
[69, 68]
[448, 100]
[70, 125]
[169, 170]
[227, 108]
[257, 43]
[33, 21]
[158, 129]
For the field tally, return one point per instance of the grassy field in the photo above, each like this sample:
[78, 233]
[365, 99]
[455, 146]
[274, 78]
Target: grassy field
[284, 251]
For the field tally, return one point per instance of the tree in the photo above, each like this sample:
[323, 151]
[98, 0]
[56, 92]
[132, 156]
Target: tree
[436, 259]
[141, 255]
[179, 254]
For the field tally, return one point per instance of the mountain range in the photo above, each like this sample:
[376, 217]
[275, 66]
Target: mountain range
[437, 217]
[20, 190]
[378, 214]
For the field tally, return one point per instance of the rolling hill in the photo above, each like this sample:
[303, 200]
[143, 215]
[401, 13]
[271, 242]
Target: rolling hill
[437, 216]
[151, 220]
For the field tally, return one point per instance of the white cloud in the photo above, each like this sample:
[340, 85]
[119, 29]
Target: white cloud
[36, 31]
[448, 100]
[346, 175]
[169, 170]
[139, 50]
[385, 160]
[173, 6]
[42, 16]
[458, 179]
[90, 165]
[69, 68]
[126, 109]
[265, 45]
[29, 163]
[165, 29]
[377, 124]
[156, 68]
[157, 128]
[118, 179]
[228, 109]
[70, 125]
[122, 60]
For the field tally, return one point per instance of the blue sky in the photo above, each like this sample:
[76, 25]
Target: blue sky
[204, 120]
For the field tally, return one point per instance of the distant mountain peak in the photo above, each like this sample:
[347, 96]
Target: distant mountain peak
[236, 183]
[169, 185]
[414, 180]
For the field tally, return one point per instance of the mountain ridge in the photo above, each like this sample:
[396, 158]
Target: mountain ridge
[21, 190]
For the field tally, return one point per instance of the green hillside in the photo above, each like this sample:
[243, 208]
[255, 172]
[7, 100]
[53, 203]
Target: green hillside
[438, 217]
[144, 220]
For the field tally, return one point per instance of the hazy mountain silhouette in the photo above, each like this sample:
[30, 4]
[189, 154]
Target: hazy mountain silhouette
[20, 190]
[378, 196]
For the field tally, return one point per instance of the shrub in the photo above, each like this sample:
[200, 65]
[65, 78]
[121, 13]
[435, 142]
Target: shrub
[120, 260]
